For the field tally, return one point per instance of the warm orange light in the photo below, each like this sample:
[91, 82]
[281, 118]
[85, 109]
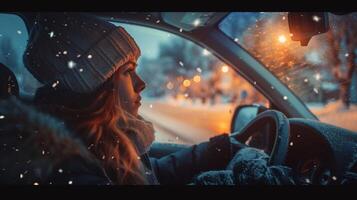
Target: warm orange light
[197, 78]
[186, 83]
[225, 69]
[282, 39]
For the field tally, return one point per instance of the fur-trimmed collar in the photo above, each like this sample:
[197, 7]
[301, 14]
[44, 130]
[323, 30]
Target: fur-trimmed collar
[33, 143]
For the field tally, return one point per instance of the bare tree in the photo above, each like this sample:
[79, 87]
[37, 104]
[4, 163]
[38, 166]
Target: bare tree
[342, 44]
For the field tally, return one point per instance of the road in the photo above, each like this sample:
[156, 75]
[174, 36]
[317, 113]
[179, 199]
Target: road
[186, 124]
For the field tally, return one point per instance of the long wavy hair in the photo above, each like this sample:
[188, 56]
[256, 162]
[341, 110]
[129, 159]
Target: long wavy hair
[96, 118]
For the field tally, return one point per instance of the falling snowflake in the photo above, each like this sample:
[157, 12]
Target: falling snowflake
[254, 82]
[272, 87]
[218, 149]
[60, 170]
[285, 98]
[157, 21]
[180, 30]
[71, 64]
[55, 84]
[298, 135]
[51, 34]
[316, 90]
[181, 63]
[147, 173]
[186, 95]
[315, 18]
[21, 175]
[206, 52]
[346, 54]
[103, 157]
[317, 76]
[199, 69]
[90, 56]
[80, 70]
[90, 146]
[307, 180]
[64, 24]
[112, 157]
[35, 183]
[291, 144]
[334, 178]
[43, 152]
[150, 106]
[70, 182]
[196, 22]
[19, 32]
[2, 116]
[284, 18]
[64, 52]
[236, 39]
[79, 55]
[306, 80]
[138, 158]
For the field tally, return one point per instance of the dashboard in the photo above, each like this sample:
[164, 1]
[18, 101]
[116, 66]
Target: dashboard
[310, 156]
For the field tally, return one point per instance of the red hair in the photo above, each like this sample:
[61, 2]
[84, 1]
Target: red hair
[98, 126]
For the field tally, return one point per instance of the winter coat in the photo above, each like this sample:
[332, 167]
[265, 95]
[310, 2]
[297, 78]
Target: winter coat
[36, 148]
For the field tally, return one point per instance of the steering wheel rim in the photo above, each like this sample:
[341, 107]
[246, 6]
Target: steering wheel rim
[282, 134]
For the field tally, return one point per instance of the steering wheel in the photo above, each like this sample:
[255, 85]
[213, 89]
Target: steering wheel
[281, 130]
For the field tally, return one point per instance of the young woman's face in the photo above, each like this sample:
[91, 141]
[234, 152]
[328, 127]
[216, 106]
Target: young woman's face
[130, 87]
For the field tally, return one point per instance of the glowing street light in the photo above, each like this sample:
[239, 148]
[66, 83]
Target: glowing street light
[186, 83]
[225, 68]
[197, 78]
[282, 39]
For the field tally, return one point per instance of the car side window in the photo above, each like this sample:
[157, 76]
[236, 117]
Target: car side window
[13, 40]
[191, 94]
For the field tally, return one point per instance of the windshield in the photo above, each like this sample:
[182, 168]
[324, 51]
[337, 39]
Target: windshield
[323, 74]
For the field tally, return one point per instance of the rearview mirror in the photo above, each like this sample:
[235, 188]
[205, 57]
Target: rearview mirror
[243, 115]
[304, 25]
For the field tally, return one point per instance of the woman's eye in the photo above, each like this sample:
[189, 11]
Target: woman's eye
[127, 72]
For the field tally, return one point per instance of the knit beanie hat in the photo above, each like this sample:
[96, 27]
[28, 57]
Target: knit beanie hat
[76, 52]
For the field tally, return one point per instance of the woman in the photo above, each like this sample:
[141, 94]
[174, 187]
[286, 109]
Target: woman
[88, 67]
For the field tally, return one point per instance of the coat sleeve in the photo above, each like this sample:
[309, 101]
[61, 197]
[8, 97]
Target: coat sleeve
[180, 167]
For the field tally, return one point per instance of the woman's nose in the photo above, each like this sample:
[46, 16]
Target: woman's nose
[139, 83]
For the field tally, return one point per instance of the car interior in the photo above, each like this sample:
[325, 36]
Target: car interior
[318, 151]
